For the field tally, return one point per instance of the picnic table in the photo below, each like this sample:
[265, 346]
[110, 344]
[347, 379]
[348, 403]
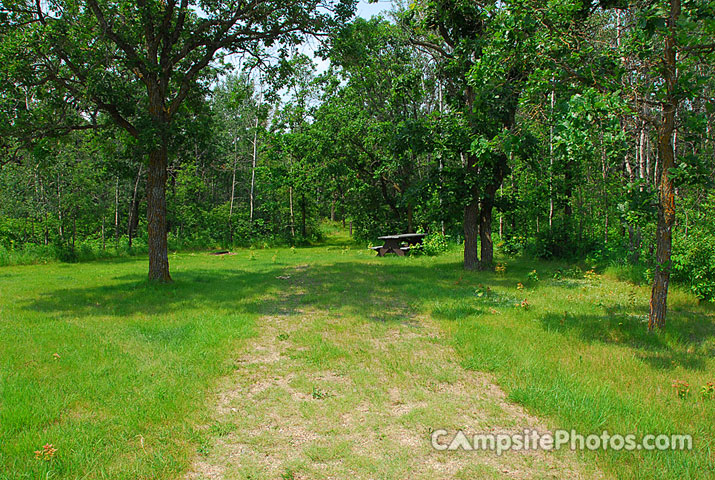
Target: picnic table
[398, 244]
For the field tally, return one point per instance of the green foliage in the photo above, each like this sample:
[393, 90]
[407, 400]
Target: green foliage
[433, 244]
[559, 242]
[511, 245]
[533, 276]
[694, 263]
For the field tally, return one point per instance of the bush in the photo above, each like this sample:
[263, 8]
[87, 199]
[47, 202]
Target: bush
[433, 244]
[559, 242]
[694, 263]
[512, 246]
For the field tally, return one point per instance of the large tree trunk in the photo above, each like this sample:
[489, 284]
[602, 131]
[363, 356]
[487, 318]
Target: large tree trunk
[664, 232]
[471, 220]
[666, 189]
[485, 234]
[156, 215]
[485, 213]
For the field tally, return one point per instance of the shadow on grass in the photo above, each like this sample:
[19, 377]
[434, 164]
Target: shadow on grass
[378, 291]
[688, 340]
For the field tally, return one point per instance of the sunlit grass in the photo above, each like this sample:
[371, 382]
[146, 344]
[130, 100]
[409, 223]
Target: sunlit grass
[119, 375]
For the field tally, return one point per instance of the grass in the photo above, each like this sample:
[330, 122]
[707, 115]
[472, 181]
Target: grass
[326, 362]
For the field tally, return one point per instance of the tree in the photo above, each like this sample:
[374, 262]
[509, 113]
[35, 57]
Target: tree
[655, 68]
[481, 49]
[138, 62]
[379, 104]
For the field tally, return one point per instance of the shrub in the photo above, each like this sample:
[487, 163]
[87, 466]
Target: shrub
[694, 263]
[512, 245]
[533, 276]
[559, 242]
[433, 244]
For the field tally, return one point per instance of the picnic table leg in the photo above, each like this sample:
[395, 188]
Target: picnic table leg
[390, 246]
[399, 252]
[381, 252]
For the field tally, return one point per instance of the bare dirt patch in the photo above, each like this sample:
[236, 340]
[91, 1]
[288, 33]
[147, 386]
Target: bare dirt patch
[313, 399]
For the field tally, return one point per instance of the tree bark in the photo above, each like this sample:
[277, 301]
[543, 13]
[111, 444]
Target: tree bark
[604, 173]
[116, 214]
[485, 213]
[292, 218]
[471, 210]
[59, 209]
[410, 226]
[666, 189]
[253, 170]
[233, 195]
[156, 215]
[471, 220]
[551, 160]
[303, 226]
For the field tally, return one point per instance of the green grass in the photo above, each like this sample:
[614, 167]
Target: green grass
[132, 392]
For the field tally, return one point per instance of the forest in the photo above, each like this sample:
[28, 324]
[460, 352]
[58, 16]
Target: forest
[567, 129]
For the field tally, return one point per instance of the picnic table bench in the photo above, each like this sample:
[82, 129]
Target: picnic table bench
[398, 244]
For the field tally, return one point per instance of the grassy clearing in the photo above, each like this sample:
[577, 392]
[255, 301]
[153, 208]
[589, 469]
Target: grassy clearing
[353, 390]
[146, 378]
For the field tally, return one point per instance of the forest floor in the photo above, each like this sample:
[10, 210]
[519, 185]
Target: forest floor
[327, 362]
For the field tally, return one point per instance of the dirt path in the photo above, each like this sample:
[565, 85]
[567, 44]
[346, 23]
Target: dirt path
[321, 395]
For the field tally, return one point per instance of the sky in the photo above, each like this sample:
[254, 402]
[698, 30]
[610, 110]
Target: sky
[367, 10]
[364, 9]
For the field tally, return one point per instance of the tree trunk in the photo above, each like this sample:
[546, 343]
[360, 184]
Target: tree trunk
[233, 195]
[410, 226]
[485, 213]
[485, 233]
[643, 166]
[471, 220]
[156, 215]
[551, 161]
[59, 210]
[666, 189]
[604, 172]
[253, 169]
[292, 217]
[568, 193]
[471, 210]
[303, 228]
[45, 228]
[116, 214]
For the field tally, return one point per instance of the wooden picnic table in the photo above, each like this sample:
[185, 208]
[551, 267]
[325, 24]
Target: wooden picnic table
[398, 244]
